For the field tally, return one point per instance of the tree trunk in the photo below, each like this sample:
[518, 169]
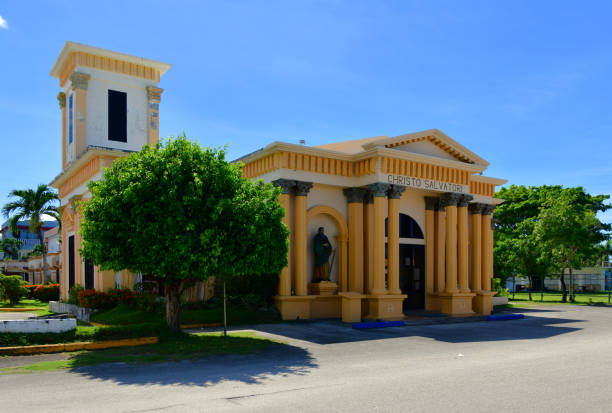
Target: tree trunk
[530, 286]
[563, 286]
[47, 276]
[173, 306]
[571, 293]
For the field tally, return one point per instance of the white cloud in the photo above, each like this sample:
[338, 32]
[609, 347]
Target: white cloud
[3, 23]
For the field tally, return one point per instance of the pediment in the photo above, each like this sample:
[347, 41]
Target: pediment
[431, 143]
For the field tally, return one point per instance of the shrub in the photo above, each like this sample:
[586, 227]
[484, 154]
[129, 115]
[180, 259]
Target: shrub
[12, 288]
[30, 288]
[73, 294]
[148, 301]
[95, 299]
[46, 292]
[121, 296]
[253, 292]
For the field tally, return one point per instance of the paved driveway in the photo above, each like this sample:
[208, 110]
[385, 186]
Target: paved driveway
[557, 359]
[17, 315]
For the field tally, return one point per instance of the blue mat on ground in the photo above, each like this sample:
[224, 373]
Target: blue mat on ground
[505, 317]
[378, 324]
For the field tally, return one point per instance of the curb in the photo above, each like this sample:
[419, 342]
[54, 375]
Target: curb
[86, 345]
[16, 310]
[183, 326]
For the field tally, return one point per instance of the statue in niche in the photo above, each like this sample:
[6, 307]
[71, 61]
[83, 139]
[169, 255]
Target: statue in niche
[322, 250]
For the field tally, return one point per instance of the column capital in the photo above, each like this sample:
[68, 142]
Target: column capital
[396, 191]
[354, 195]
[61, 99]
[302, 188]
[449, 199]
[368, 198]
[464, 200]
[287, 185]
[431, 203]
[476, 208]
[487, 209]
[154, 93]
[79, 80]
[379, 189]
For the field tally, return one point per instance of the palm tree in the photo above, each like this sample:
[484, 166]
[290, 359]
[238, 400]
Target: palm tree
[31, 205]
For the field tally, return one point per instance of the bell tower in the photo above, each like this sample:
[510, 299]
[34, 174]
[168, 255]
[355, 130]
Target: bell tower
[110, 107]
[108, 100]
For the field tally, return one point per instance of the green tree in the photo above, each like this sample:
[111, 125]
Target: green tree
[569, 224]
[32, 205]
[11, 247]
[181, 213]
[517, 250]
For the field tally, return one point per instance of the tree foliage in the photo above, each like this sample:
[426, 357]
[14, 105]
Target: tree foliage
[181, 213]
[32, 204]
[546, 228]
[12, 288]
[11, 247]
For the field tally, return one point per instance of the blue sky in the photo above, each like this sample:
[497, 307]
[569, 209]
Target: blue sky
[524, 84]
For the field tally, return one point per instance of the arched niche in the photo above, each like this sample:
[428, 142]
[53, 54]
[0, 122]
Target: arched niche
[339, 241]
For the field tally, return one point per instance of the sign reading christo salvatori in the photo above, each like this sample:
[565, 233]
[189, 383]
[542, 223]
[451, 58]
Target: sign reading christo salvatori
[422, 183]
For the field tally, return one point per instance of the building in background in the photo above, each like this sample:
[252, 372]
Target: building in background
[29, 239]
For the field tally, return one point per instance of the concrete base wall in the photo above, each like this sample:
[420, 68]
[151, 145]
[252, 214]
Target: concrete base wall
[500, 300]
[38, 325]
[80, 313]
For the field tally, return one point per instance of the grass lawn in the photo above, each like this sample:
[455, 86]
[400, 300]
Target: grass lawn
[555, 297]
[173, 347]
[42, 307]
[124, 315]
[85, 333]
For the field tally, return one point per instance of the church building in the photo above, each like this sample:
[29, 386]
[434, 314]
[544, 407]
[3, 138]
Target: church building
[408, 217]
[379, 226]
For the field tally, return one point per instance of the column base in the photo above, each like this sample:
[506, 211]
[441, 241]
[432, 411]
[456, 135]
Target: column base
[322, 288]
[432, 303]
[385, 307]
[456, 304]
[351, 307]
[483, 302]
[294, 307]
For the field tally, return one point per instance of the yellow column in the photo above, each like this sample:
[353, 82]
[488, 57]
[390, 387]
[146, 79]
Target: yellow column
[284, 282]
[430, 206]
[354, 198]
[395, 192]
[462, 248]
[450, 202]
[61, 98]
[487, 248]
[440, 271]
[301, 191]
[379, 191]
[79, 85]
[476, 210]
[368, 235]
[154, 98]
[342, 262]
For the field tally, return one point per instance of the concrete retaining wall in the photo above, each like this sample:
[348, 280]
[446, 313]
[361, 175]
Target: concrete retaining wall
[57, 325]
[81, 313]
[500, 300]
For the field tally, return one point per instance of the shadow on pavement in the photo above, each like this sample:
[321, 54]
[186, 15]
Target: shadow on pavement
[276, 360]
[331, 332]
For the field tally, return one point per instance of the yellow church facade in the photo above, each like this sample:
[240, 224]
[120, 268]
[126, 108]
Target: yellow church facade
[408, 217]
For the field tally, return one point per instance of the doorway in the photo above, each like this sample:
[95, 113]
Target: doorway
[71, 267]
[412, 275]
[89, 275]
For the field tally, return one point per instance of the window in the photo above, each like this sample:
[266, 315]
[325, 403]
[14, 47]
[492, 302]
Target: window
[117, 116]
[70, 119]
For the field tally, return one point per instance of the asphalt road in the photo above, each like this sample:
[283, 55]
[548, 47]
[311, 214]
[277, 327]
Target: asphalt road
[557, 359]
